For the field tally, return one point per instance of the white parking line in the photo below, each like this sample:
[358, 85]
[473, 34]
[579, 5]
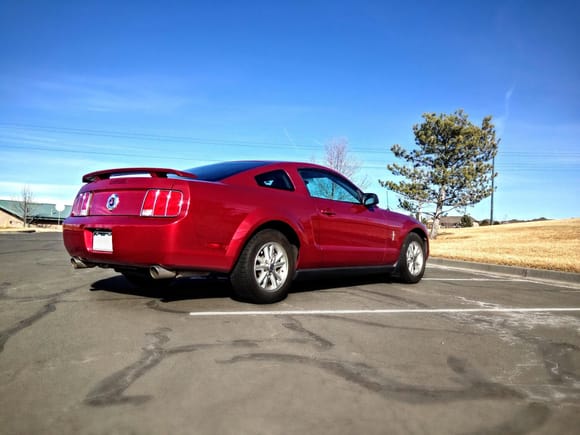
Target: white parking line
[498, 276]
[379, 311]
[477, 279]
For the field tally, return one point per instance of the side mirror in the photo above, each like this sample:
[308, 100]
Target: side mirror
[370, 199]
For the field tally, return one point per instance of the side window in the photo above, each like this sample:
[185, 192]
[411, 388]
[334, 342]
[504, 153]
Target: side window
[321, 184]
[275, 180]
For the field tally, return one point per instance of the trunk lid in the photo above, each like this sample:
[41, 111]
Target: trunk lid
[133, 192]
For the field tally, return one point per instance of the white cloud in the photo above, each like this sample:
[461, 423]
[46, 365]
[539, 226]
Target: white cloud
[501, 122]
[97, 94]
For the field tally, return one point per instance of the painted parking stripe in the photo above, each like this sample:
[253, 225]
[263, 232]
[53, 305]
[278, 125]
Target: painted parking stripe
[501, 276]
[477, 279]
[379, 311]
[572, 287]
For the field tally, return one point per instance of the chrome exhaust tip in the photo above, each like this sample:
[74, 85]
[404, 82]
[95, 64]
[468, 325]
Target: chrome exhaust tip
[158, 272]
[77, 263]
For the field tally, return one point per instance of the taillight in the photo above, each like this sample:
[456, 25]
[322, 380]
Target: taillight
[162, 203]
[82, 204]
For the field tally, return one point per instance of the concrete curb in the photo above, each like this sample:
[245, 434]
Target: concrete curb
[29, 230]
[522, 272]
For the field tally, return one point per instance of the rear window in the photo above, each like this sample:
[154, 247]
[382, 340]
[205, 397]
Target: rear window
[220, 171]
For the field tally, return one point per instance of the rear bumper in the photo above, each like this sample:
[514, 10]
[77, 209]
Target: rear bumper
[138, 242]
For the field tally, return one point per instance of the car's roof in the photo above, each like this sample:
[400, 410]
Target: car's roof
[223, 170]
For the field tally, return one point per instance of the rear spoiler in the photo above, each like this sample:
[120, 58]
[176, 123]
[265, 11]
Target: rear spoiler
[153, 172]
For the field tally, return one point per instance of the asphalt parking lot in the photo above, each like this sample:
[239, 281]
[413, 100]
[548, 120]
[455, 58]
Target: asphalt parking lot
[459, 353]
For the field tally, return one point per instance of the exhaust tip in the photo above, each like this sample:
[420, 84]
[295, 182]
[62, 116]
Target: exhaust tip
[77, 263]
[158, 272]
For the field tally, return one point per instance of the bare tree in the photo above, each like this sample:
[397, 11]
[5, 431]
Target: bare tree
[337, 157]
[24, 205]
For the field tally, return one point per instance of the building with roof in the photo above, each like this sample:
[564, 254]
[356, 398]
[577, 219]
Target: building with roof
[40, 214]
[450, 222]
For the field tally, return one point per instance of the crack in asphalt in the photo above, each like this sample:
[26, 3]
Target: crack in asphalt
[406, 301]
[111, 390]
[532, 417]
[295, 325]
[557, 358]
[46, 309]
[25, 323]
[471, 384]
[475, 386]
[57, 295]
[358, 321]
[559, 363]
[154, 305]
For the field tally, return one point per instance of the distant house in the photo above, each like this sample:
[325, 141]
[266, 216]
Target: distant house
[41, 214]
[450, 222]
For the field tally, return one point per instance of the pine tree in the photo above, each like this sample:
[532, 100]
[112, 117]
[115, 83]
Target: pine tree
[450, 167]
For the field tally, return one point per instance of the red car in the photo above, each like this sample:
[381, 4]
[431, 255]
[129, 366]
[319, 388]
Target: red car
[260, 223]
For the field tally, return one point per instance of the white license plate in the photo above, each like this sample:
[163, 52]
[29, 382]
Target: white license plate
[103, 241]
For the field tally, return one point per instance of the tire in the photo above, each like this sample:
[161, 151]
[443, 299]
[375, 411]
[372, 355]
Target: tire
[265, 268]
[412, 260]
[142, 279]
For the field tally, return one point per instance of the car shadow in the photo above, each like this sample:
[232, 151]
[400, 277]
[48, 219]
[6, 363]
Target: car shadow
[179, 290]
[328, 281]
[206, 288]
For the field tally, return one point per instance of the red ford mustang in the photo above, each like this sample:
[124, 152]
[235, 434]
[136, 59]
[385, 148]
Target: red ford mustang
[260, 223]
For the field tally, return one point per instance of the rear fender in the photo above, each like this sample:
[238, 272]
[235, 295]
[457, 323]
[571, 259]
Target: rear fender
[259, 220]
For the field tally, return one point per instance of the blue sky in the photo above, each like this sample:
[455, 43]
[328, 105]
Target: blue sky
[97, 84]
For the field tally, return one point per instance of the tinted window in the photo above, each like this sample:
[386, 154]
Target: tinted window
[275, 180]
[219, 171]
[322, 184]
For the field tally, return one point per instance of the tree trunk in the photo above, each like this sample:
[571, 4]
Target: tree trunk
[434, 228]
[25, 215]
[438, 213]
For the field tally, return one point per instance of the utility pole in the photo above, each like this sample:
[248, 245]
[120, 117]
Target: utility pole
[492, 189]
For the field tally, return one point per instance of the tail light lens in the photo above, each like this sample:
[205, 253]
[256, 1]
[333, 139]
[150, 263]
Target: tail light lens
[82, 204]
[162, 203]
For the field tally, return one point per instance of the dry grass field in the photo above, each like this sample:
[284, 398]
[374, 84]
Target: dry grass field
[553, 245]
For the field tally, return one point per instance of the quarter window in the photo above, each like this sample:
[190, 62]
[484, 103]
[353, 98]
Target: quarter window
[275, 180]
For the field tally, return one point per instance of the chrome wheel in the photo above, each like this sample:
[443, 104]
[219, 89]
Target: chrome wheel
[415, 258]
[271, 266]
[265, 268]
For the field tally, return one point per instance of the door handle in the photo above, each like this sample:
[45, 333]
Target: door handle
[327, 212]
